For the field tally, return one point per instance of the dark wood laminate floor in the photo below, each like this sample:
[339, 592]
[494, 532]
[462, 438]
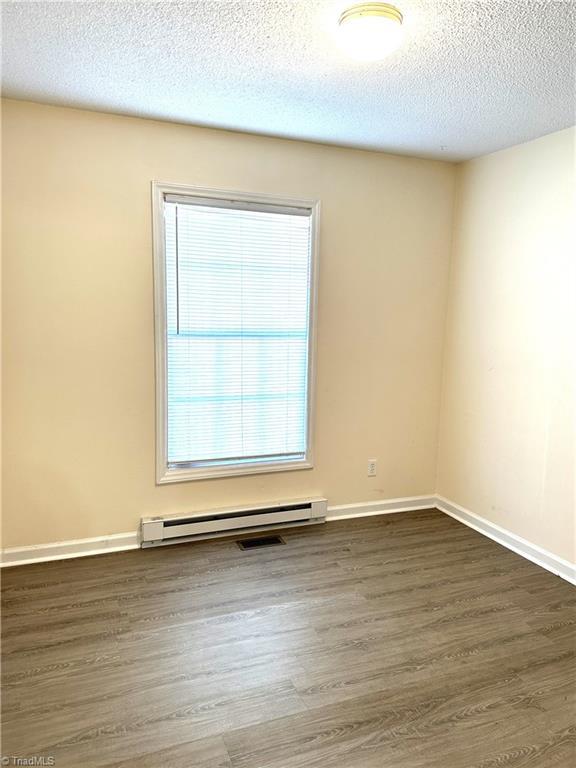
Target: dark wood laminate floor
[402, 641]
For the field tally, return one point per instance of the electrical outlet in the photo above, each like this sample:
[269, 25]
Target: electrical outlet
[371, 467]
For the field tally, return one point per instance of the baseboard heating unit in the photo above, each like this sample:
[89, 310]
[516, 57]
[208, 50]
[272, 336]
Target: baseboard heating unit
[174, 529]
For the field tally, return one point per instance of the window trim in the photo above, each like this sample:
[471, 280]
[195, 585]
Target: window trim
[164, 473]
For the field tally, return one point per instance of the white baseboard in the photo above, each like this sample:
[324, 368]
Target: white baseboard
[381, 507]
[63, 550]
[120, 542]
[533, 552]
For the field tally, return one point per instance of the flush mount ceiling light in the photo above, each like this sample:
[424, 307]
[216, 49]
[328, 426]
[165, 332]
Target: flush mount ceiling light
[370, 31]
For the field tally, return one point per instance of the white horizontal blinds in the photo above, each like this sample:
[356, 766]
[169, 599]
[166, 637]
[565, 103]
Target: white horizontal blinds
[237, 285]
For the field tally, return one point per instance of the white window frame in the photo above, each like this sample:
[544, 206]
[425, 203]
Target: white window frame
[165, 473]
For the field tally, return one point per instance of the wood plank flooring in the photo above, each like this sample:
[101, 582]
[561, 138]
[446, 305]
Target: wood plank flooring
[401, 641]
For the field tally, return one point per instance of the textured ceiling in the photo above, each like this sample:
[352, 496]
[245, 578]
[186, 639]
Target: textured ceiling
[472, 76]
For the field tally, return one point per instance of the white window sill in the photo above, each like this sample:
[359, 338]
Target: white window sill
[166, 475]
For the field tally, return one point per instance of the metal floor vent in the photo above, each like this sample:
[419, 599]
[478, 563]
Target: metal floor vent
[263, 541]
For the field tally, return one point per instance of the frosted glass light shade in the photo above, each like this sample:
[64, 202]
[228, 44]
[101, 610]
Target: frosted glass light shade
[370, 31]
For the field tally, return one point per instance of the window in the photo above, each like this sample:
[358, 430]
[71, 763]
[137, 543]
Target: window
[234, 278]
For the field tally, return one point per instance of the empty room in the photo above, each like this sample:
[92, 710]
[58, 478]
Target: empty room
[288, 384]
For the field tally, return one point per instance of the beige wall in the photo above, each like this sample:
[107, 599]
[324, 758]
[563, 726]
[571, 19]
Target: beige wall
[507, 449]
[78, 320]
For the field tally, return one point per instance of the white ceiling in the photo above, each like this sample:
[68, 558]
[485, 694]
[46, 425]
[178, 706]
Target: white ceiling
[473, 76]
